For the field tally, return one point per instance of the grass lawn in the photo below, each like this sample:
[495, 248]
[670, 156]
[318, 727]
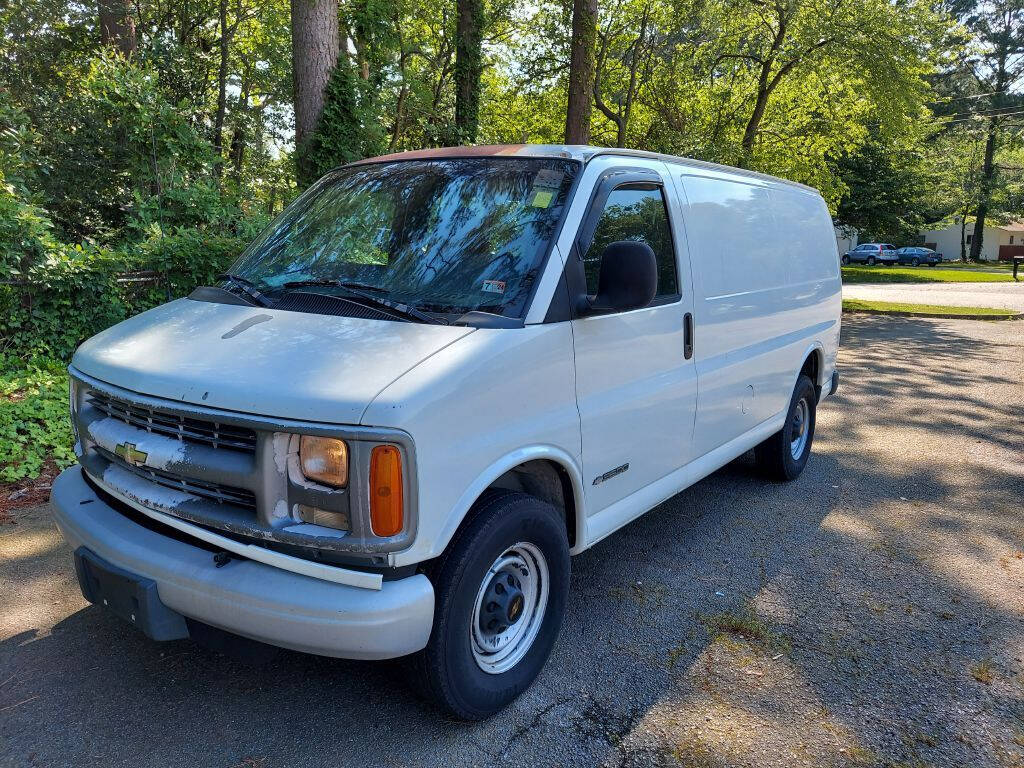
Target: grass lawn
[879, 274]
[925, 309]
[995, 266]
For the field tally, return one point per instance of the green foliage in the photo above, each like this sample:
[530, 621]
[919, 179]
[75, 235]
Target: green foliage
[887, 182]
[184, 260]
[34, 423]
[25, 227]
[134, 157]
[347, 130]
[77, 292]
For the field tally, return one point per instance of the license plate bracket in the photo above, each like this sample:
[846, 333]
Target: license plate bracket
[132, 597]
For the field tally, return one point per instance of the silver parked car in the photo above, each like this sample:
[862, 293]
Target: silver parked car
[872, 253]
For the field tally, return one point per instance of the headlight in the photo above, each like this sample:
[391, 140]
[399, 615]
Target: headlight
[324, 460]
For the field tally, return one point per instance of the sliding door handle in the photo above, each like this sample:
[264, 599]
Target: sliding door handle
[688, 335]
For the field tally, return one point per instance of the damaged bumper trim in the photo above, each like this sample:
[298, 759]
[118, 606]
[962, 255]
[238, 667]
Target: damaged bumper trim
[259, 554]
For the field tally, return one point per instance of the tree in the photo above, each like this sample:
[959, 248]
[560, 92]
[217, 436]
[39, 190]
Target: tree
[581, 71]
[624, 55]
[999, 28]
[117, 26]
[315, 50]
[887, 181]
[468, 68]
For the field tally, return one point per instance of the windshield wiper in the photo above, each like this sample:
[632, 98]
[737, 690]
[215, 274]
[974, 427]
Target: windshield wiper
[361, 290]
[248, 287]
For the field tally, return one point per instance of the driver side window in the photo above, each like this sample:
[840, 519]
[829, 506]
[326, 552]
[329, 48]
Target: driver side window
[635, 212]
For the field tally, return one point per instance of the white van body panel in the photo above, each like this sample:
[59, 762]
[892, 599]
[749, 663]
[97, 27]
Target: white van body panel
[473, 408]
[289, 365]
[767, 284]
[625, 389]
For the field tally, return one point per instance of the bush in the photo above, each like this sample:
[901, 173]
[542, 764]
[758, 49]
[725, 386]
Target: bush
[70, 296]
[34, 422]
[186, 259]
[76, 292]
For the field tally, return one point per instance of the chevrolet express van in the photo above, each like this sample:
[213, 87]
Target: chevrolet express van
[430, 381]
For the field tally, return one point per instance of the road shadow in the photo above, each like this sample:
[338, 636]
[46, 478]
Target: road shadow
[873, 586]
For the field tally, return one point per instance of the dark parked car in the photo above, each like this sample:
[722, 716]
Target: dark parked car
[871, 253]
[915, 256]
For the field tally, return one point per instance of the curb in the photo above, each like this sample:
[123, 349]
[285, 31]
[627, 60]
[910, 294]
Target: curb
[938, 316]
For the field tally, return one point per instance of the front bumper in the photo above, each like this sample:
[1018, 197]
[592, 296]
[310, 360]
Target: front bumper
[247, 598]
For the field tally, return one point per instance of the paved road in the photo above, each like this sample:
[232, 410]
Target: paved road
[999, 295]
[886, 589]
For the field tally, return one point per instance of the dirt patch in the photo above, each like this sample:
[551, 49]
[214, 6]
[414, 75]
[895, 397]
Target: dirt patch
[26, 493]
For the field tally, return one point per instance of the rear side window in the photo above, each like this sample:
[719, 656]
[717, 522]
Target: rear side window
[635, 212]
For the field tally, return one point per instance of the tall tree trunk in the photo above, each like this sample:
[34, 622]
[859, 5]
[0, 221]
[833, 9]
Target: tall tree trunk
[988, 172]
[988, 166]
[765, 85]
[468, 69]
[760, 104]
[581, 71]
[117, 25]
[963, 235]
[315, 47]
[396, 129]
[222, 86]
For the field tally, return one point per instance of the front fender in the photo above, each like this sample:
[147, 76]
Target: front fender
[510, 461]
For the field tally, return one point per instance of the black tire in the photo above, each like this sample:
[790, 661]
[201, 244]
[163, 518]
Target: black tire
[846, 260]
[871, 261]
[775, 455]
[446, 671]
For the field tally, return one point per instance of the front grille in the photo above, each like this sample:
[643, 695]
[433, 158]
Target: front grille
[222, 494]
[182, 428]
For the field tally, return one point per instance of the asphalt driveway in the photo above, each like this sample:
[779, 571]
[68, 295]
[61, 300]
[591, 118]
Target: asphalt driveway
[998, 295]
[869, 614]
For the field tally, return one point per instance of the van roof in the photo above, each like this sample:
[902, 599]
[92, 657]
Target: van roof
[581, 152]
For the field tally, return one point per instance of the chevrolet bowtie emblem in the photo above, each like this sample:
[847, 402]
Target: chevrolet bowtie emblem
[131, 454]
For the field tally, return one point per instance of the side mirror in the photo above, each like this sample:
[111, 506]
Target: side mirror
[628, 278]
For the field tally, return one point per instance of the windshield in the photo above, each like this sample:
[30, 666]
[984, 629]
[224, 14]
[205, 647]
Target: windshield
[448, 236]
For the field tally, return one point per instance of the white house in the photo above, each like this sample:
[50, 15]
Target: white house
[1001, 241]
[846, 238]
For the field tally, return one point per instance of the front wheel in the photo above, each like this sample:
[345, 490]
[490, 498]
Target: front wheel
[499, 597]
[784, 455]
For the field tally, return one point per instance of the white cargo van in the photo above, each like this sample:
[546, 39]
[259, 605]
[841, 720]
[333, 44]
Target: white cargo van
[430, 381]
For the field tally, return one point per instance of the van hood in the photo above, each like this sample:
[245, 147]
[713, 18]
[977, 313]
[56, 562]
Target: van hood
[290, 365]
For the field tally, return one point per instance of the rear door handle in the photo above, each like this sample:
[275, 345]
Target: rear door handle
[688, 335]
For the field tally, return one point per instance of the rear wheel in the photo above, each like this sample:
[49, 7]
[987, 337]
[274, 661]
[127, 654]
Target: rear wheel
[499, 597]
[784, 455]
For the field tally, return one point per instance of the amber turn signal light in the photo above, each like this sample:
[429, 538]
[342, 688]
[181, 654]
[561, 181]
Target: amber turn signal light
[386, 497]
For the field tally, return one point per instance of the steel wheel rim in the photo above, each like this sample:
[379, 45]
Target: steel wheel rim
[800, 429]
[498, 651]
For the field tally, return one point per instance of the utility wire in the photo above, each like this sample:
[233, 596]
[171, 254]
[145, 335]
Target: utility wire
[975, 96]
